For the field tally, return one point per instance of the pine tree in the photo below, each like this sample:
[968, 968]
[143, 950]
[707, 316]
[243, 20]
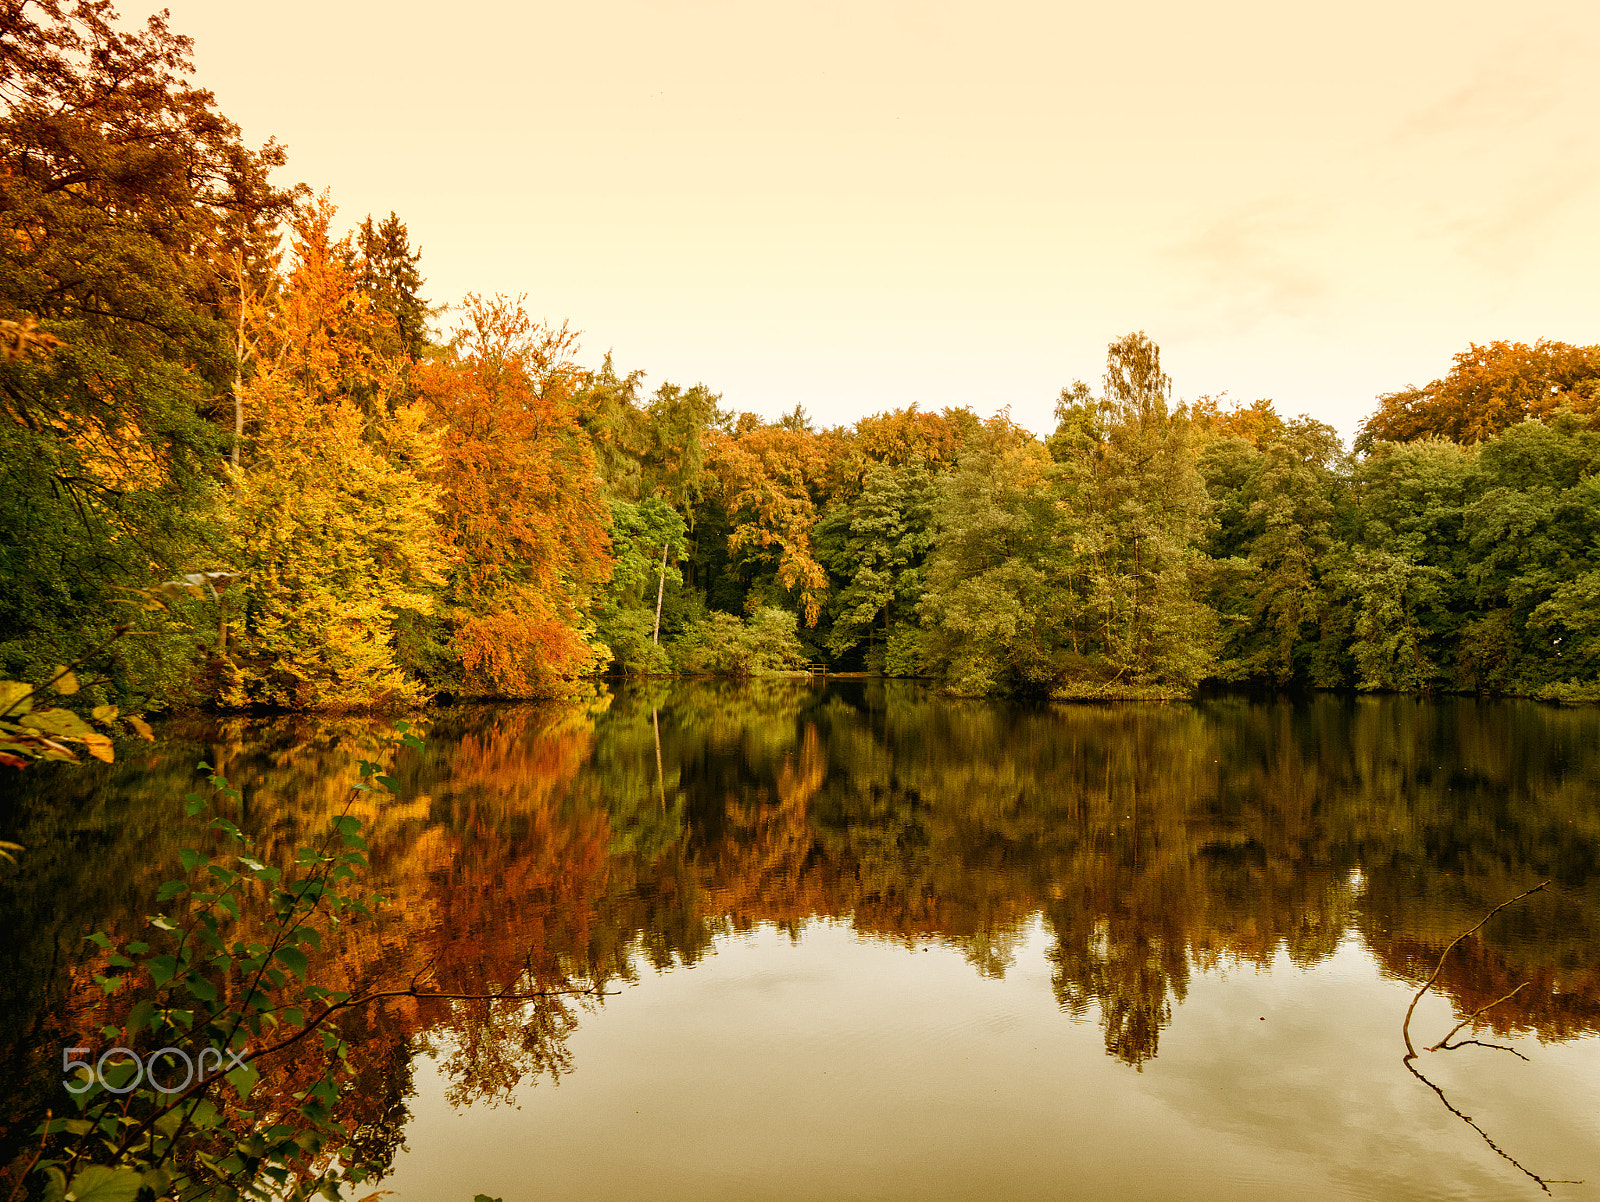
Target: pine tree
[386, 272]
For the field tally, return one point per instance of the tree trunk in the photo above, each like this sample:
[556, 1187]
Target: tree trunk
[238, 417]
[661, 588]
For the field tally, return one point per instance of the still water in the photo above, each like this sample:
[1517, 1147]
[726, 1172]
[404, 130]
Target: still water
[857, 941]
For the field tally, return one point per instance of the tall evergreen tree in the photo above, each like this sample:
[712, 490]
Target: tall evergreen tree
[386, 270]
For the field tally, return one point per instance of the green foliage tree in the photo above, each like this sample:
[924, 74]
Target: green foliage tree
[991, 603]
[1276, 505]
[386, 271]
[121, 190]
[643, 536]
[719, 644]
[1532, 561]
[875, 548]
[1134, 511]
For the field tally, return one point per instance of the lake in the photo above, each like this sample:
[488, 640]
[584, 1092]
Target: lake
[855, 940]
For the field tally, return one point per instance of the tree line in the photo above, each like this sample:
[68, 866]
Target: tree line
[198, 371]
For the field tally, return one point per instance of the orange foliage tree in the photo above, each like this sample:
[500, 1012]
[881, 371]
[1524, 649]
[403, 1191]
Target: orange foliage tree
[901, 435]
[1256, 423]
[771, 478]
[1489, 388]
[524, 506]
[331, 519]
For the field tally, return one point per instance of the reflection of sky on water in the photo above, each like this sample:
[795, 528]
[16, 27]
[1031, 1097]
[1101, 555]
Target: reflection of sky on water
[844, 1067]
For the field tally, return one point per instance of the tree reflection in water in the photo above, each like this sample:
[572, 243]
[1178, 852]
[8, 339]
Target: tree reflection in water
[554, 847]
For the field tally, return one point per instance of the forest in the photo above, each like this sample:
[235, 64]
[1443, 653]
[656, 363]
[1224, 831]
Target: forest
[360, 500]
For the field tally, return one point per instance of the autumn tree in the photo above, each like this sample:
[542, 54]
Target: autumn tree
[332, 519]
[524, 513]
[1488, 389]
[119, 183]
[768, 479]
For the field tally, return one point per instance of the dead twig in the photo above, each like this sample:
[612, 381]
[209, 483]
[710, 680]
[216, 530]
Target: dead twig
[1405, 1027]
[1544, 1183]
[1473, 1018]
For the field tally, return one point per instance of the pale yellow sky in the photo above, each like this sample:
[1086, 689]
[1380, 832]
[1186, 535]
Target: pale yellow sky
[861, 205]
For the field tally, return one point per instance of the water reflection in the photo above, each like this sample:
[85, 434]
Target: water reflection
[586, 845]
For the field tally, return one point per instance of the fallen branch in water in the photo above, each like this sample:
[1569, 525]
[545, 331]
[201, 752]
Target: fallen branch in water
[1472, 1018]
[1405, 1027]
[1544, 1183]
[1445, 1045]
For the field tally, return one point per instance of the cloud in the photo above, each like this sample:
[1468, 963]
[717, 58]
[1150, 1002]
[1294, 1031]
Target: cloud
[1515, 225]
[1252, 264]
[1515, 86]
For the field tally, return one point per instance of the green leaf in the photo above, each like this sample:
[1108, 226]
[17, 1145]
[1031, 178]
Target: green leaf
[100, 1184]
[15, 697]
[170, 890]
[162, 969]
[202, 989]
[189, 857]
[60, 722]
[159, 1179]
[140, 1015]
[243, 1080]
[293, 959]
[99, 939]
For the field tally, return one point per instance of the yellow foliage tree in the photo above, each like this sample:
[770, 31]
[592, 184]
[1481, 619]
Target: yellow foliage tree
[333, 519]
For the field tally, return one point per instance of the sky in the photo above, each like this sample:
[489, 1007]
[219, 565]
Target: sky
[863, 205]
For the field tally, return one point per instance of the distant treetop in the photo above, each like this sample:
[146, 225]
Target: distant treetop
[1487, 390]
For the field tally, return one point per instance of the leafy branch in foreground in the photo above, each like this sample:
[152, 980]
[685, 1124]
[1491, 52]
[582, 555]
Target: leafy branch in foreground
[28, 734]
[222, 989]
